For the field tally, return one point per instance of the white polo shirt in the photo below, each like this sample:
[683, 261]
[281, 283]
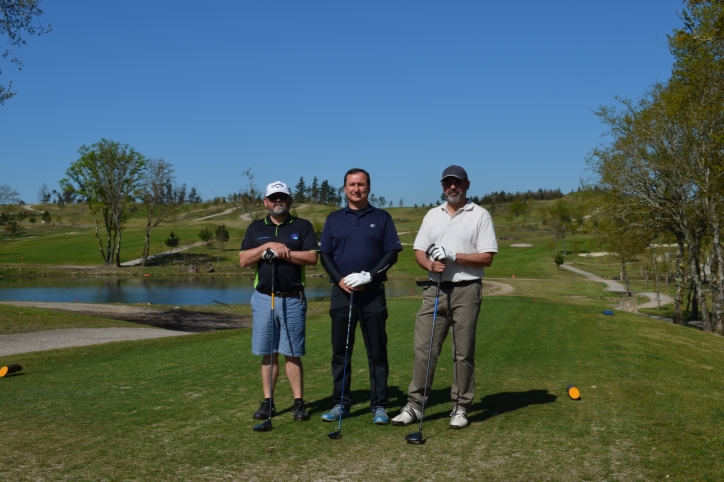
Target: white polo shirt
[469, 231]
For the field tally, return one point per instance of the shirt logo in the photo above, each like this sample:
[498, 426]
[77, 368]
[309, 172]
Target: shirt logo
[294, 236]
[264, 237]
[372, 225]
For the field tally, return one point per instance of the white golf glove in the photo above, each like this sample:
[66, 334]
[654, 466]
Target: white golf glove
[357, 279]
[439, 253]
[269, 255]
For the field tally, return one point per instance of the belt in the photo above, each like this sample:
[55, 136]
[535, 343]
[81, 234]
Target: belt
[450, 284]
[371, 287]
[368, 287]
[284, 294]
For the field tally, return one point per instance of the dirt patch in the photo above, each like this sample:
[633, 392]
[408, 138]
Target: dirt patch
[53, 339]
[173, 319]
[493, 288]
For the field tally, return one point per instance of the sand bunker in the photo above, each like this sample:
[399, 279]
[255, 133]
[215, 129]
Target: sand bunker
[521, 245]
[595, 255]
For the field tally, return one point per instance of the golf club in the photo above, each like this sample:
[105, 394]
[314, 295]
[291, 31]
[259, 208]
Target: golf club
[266, 425]
[455, 360]
[416, 437]
[338, 433]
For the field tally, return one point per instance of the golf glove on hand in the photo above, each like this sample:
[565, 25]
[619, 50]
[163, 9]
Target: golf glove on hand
[357, 279]
[269, 255]
[439, 253]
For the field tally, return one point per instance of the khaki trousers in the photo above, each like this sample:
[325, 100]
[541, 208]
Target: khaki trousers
[457, 311]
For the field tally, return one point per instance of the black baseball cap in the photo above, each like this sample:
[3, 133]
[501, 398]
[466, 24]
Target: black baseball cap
[455, 171]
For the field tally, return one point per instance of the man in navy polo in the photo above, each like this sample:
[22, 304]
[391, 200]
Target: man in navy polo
[359, 244]
[284, 244]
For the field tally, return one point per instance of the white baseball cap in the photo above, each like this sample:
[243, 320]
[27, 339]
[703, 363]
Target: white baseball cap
[277, 186]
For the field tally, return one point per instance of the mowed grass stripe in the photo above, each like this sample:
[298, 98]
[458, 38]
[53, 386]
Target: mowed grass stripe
[181, 408]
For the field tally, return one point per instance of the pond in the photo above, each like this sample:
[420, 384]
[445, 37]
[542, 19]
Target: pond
[164, 291]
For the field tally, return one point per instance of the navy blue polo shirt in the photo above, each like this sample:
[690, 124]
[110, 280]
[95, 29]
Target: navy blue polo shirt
[294, 233]
[358, 240]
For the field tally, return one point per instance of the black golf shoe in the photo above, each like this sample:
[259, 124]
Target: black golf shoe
[300, 413]
[263, 411]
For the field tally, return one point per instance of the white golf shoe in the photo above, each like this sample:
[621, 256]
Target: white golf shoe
[459, 418]
[407, 416]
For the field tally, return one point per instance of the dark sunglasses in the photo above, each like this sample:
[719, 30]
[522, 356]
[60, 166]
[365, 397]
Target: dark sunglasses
[278, 196]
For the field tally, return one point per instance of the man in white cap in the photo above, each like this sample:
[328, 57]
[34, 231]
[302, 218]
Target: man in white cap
[280, 245]
[457, 240]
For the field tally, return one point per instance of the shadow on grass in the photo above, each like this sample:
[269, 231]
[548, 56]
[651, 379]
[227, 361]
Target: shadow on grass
[360, 402]
[498, 403]
[491, 405]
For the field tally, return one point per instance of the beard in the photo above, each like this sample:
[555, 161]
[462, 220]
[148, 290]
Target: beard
[278, 210]
[455, 197]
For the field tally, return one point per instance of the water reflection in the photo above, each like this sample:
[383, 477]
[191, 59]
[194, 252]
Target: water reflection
[192, 290]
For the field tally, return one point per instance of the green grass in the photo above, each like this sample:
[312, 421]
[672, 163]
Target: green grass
[17, 319]
[180, 408]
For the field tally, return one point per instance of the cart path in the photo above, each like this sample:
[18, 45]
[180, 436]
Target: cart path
[615, 286]
[53, 339]
[137, 261]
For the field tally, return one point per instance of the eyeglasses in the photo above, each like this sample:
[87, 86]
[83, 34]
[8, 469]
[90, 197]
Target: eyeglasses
[278, 196]
[447, 182]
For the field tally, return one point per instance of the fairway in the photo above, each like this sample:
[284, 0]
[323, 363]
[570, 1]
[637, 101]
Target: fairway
[181, 409]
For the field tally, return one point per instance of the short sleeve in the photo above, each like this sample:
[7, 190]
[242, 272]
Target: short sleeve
[422, 240]
[487, 242]
[248, 241]
[309, 239]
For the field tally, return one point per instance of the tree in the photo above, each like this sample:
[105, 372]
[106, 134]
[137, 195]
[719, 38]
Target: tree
[172, 241]
[13, 228]
[518, 208]
[558, 260]
[45, 217]
[324, 191]
[206, 236]
[222, 236]
[158, 196]
[108, 176]
[401, 203]
[300, 191]
[8, 195]
[44, 194]
[314, 191]
[560, 219]
[193, 197]
[16, 18]
[249, 198]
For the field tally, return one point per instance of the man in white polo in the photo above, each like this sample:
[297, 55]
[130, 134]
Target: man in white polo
[458, 240]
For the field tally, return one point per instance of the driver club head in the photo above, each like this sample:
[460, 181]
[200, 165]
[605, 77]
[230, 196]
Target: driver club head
[415, 438]
[263, 427]
[337, 434]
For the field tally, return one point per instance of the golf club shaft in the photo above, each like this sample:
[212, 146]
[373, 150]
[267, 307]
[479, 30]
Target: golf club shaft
[455, 357]
[429, 351]
[271, 347]
[346, 350]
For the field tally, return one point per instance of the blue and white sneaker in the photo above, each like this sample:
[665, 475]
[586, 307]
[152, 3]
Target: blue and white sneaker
[333, 415]
[380, 417]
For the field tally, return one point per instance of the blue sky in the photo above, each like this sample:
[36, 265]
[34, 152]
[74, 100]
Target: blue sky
[289, 89]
